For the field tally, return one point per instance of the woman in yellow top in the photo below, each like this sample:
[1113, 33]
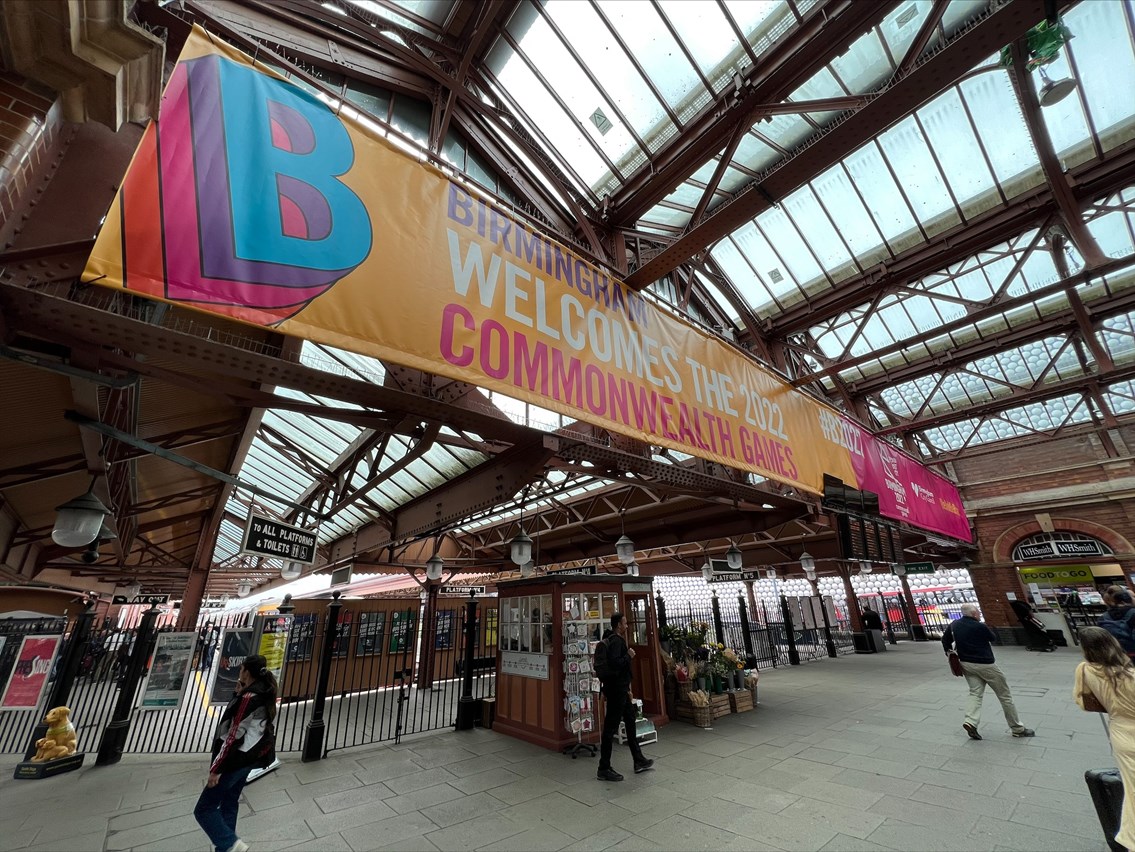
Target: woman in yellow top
[1107, 675]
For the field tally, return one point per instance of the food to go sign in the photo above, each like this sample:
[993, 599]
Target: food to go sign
[1062, 576]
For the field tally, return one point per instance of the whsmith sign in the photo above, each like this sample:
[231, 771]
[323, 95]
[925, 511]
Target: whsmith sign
[1058, 549]
[268, 537]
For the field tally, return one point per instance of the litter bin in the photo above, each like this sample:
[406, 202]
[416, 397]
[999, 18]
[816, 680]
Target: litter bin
[878, 643]
[862, 643]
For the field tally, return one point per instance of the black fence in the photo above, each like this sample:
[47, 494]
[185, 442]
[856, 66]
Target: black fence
[382, 680]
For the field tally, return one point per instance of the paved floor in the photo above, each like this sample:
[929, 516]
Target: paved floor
[860, 753]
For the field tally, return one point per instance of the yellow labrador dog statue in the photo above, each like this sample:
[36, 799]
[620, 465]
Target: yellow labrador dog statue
[60, 740]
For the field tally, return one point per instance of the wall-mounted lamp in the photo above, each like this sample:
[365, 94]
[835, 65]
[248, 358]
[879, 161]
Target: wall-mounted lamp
[434, 566]
[733, 557]
[865, 567]
[807, 562]
[770, 573]
[78, 521]
[244, 589]
[898, 569]
[632, 569]
[707, 572]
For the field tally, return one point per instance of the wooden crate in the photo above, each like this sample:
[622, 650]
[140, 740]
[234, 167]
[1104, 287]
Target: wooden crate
[700, 716]
[719, 704]
[740, 701]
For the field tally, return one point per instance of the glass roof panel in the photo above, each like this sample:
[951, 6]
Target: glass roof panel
[1120, 398]
[909, 156]
[879, 192]
[790, 253]
[646, 36]
[705, 31]
[819, 233]
[541, 108]
[955, 145]
[864, 66]
[1002, 129]
[1105, 63]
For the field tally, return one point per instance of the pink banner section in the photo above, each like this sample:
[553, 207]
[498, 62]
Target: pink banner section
[907, 490]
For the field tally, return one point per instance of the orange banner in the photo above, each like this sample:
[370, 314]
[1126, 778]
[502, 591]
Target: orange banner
[252, 198]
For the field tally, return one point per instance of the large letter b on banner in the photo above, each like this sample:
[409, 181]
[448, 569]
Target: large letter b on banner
[285, 153]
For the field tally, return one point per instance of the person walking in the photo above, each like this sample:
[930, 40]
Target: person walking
[613, 668]
[1105, 683]
[245, 740]
[1119, 618]
[969, 638]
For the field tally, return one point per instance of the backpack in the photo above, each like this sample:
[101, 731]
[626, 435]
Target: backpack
[1121, 630]
[601, 665]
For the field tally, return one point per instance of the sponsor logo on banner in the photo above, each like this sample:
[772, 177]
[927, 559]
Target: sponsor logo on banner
[251, 198]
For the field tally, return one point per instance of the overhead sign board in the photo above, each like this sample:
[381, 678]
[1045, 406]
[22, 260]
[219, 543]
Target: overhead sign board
[275, 540]
[145, 600]
[920, 568]
[734, 576]
[1058, 549]
[463, 591]
[584, 569]
[313, 224]
[1064, 575]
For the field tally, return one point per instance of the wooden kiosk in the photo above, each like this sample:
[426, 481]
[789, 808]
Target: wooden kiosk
[546, 691]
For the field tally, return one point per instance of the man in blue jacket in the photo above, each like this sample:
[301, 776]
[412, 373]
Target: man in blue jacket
[969, 638]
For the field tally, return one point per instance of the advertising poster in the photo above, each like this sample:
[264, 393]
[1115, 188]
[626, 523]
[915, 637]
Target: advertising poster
[348, 240]
[236, 644]
[443, 636]
[273, 644]
[342, 644]
[302, 638]
[371, 626]
[401, 632]
[30, 672]
[169, 671]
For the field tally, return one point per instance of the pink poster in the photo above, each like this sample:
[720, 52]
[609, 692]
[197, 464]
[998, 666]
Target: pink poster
[30, 673]
[907, 490]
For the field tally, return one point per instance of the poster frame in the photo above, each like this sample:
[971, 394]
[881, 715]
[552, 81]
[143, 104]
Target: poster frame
[148, 700]
[58, 640]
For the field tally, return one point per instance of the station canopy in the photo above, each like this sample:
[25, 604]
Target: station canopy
[904, 219]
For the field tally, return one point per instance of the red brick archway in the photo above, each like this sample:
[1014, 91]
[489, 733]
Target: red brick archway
[1003, 547]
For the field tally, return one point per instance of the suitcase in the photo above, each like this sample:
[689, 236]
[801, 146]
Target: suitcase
[1106, 789]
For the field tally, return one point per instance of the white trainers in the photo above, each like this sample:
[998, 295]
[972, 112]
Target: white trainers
[239, 846]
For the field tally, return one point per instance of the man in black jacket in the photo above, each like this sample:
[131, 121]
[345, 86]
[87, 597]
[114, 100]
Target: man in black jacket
[617, 695]
[969, 638]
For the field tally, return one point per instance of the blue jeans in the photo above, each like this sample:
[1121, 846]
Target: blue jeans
[217, 808]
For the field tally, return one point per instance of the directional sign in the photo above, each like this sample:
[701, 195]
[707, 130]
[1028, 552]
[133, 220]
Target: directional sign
[920, 568]
[147, 600]
[461, 590]
[734, 576]
[586, 569]
[268, 537]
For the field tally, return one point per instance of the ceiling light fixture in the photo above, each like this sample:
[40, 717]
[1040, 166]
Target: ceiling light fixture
[734, 557]
[1054, 91]
[78, 521]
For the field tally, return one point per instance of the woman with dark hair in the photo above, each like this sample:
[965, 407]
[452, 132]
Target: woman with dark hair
[1105, 682]
[245, 740]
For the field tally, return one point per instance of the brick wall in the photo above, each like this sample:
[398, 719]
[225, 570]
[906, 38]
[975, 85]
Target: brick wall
[30, 149]
[1074, 480]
